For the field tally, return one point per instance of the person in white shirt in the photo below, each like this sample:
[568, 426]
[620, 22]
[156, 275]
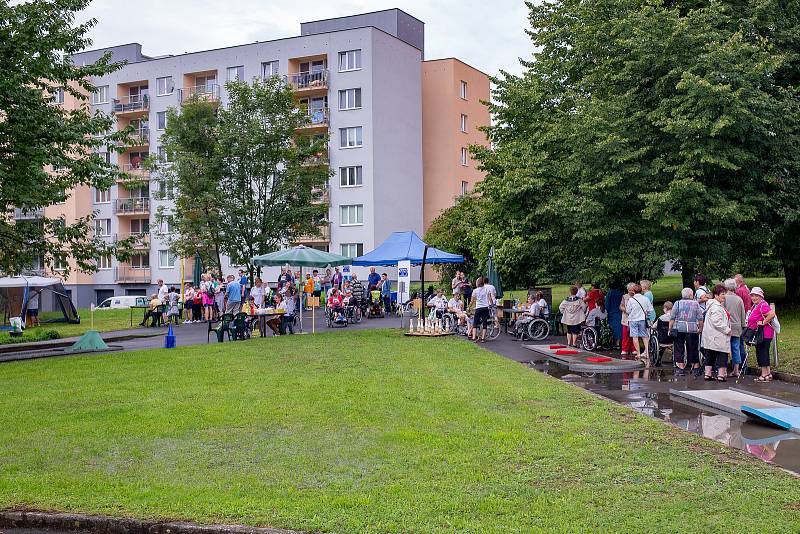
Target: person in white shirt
[531, 312]
[581, 290]
[544, 309]
[162, 296]
[484, 299]
[456, 307]
[438, 304]
[257, 292]
[638, 309]
[598, 313]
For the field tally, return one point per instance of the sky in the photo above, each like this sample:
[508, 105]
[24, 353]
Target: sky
[487, 34]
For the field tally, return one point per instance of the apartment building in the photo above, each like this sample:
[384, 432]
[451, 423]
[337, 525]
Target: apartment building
[362, 78]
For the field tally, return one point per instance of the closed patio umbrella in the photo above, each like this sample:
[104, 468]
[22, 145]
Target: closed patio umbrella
[491, 273]
[197, 273]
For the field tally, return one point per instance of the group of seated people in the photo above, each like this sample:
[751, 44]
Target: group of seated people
[279, 325]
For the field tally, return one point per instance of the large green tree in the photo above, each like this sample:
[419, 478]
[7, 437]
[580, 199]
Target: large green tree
[45, 149]
[643, 131]
[272, 175]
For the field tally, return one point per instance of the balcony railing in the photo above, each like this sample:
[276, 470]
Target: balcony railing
[209, 92]
[315, 161]
[309, 80]
[127, 104]
[322, 195]
[317, 117]
[142, 239]
[22, 214]
[128, 274]
[137, 169]
[324, 237]
[132, 206]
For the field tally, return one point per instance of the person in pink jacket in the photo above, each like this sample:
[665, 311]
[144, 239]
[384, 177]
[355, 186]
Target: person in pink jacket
[761, 316]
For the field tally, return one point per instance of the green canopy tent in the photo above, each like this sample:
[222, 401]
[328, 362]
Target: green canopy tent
[300, 256]
[491, 274]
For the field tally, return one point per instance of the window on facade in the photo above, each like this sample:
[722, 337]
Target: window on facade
[140, 191]
[205, 83]
[464, 187]
[102, 196]
[58, 95]
[59, 264]
[140, 261]
[349, 60]
[100, 95]
[351, 214]
[308, 67]
[350, 176]
[138, 93]
[236, 73]
[164, 86]
[463, 89]
[350, 99]
[166, 259]
[463, 123]
[103, 263]
[140, 226]
[102, 227]
[269, 68]
[350, 137]
[105, 156]
[352, 250]
[464, 156]
[161, 119]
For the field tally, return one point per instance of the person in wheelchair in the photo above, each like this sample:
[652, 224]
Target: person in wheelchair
[438, 304]
[336, 306]
[597, 313]
[455, 306]
[532, 311]
[662, 331]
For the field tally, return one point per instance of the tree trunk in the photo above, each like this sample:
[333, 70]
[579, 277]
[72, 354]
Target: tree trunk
[687, 274]
[219, 259]
[791, 271]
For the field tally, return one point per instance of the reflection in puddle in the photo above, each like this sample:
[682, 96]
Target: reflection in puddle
[647, 391]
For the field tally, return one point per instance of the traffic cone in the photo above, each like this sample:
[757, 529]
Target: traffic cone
[169, 339]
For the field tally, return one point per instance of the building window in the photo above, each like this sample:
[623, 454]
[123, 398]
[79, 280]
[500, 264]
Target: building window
[350, 176]
[105, 156]
[102, 227]
[164, 86]
[350, 60]
[166, 259]
[463, 156]
[463, 90]
[463, 123]
[351, 215]
[100, 95]
[161, 119]
[102, 196]
[58, 95]
[140, 261]
[350, 137]
[205, 83]
[269, 68]
[349, 99]
[103, 263]
[59, 264]
[140, 226]
[236, 73]
[464, 187]
[352, 250]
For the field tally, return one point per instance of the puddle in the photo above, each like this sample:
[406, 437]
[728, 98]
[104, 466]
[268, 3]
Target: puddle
[648, 393]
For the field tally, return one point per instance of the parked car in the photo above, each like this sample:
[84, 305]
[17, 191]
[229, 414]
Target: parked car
[125, 301]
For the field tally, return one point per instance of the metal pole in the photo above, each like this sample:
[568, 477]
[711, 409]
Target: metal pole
[422, 303]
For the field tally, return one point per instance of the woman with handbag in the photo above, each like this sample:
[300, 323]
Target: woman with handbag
[760, 331]
[717, 335]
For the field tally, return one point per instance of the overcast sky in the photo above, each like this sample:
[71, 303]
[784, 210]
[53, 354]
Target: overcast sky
[489, 35]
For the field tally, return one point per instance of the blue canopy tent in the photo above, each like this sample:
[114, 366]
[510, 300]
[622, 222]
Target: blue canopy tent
[402, 247]
[406, 246]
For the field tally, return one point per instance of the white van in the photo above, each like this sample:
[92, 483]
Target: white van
[124, 301]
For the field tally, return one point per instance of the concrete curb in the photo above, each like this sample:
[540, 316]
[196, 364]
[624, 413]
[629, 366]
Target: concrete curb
[67, 342]
[115, 525]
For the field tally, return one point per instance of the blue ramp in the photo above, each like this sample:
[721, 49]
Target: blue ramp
[784, 418]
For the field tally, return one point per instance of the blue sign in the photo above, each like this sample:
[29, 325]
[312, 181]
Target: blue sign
[346, 269]
[402, 272]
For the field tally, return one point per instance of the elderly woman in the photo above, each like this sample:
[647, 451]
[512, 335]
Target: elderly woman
[686, 321]
[627, 342]
[735, 306]
[639, 309]
[717, 335]
[760, 317]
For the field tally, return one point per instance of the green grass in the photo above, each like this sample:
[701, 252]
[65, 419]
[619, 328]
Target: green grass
[363, 431]
[104, 321]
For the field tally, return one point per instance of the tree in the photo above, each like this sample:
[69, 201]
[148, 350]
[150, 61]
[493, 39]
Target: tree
[46, 150]
[642, 132]
[274, 178]
[453, 231]
[190, 174]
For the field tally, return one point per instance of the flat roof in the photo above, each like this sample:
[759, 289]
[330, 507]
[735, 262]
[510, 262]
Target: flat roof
[367, 13]
[460, 61]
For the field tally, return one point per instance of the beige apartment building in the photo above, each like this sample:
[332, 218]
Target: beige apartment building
[399, 125]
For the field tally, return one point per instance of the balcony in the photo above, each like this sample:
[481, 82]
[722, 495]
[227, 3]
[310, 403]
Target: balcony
[132, 206]
[317, 119]
[139, 139]
[208, 92]
[22, 214]
[142, 239]
[307, 82]
[323, 238]
[132, 106]
[321, 195]
[316, 161]
[127, 274]
[135, 170]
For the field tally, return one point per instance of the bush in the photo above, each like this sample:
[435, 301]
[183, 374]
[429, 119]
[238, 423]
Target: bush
[44, 335]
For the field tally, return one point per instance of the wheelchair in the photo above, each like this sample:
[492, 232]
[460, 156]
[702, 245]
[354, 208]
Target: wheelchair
[332, 320]
[598, 337]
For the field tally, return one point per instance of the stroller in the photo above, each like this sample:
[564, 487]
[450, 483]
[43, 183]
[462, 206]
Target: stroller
[375, 305]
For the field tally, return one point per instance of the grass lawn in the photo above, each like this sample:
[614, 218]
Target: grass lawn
[104, 321]
[363, 431]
